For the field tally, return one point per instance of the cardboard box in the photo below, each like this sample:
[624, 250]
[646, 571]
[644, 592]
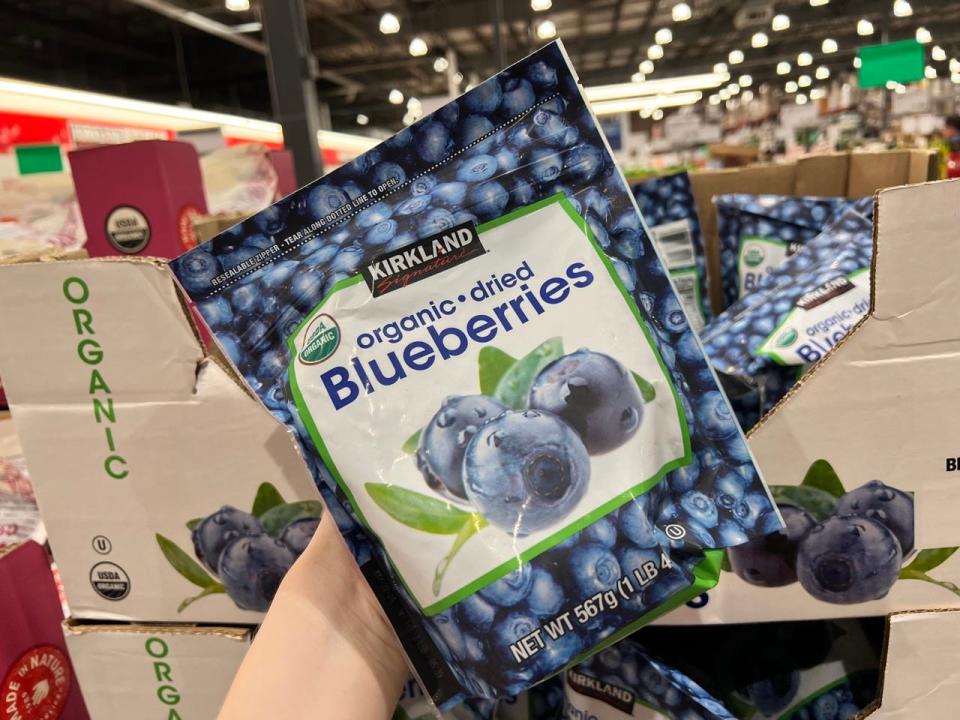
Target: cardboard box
[139, 198]
[161, 671]
[853, 175]
[131, 434]
[19, 516]
[880, 406]
[920, 673]
[37, 679]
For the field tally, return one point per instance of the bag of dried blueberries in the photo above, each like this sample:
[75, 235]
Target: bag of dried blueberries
[528, 450]
[799, 311]
[758, 232]
[669, 210]
[626, 682]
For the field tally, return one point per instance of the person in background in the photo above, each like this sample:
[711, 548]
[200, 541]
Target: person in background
[949, 147]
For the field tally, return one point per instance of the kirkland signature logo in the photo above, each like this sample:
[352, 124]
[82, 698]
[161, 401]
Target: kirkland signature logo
[320, 341]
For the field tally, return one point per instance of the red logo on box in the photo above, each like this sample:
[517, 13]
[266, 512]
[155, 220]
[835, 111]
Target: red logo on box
[37, 685]
[188, 238]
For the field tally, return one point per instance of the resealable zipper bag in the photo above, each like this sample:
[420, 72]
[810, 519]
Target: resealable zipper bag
[510, 418]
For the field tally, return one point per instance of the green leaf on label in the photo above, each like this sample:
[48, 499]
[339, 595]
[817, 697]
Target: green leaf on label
[471, 526]
[817, 502]
[910, 574]
[214, 589]
[493, 364]
[412, 443]
[822, 476]
[192, 524]
[189, 568]
[647, 391]
[420, 512]
[513, 386]
[277, 518]
[927, 560]
[267, 497]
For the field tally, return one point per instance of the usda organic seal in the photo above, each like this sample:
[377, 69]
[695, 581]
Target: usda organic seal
[321, 340]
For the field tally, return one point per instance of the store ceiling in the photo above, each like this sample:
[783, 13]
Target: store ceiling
[118, 46]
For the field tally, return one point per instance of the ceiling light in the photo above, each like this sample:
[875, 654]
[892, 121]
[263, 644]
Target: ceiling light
[395, 97]
[864, 27]
[891, 85]
[732, 104]
[759, 40]
[362, 119]
[857, 62]
[938, 53]
[715, 99]
[681, 12]
[900, 89]
[804, 81]
[638, 77]
[389, 24]
[804, 59]
[720, 68]
[458, 77]
[829, 45]
[801, 99]
[791, 86]
[657, 114]
[546, 30]
[954, 65]
[923, 35]
[645, 113]
[441, 64]
[930, 72]
[683, 83]
[646, 67]
[540, 5]
[902, 8]
[418, 47]
[819, 3]
[822, 73]
[655, 52]
[652, 102]
[783, 68]
[663, 36]
[237, 5]
[409, 119]
[818, 93]
[780, 22]
[735, 57]
[747, 96]
[733, 89]
[414, 104]
[955, 78]
[745, 81]
[724, 94]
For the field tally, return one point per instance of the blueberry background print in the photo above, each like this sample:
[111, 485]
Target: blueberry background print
[670, 211]
[256, 287]
[798, 311]
[758, 232]
[626, 681]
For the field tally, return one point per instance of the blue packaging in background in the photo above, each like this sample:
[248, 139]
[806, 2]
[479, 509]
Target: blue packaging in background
[758, 232]
[670, 212]
[521, 150]
[798, 312]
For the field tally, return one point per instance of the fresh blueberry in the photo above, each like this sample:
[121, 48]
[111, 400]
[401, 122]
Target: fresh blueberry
[449, 193]
[629, 244]
[771, 560]
[375, 214]
[297, 534]
[477, 168]
[511, 588]
[251, 568]
[423, 185]
[472, 128]
[559, 652]
[714, 416]
[381, 233]
[731, 534]
[433, 141]
[584, 162]
[700, 508]
[824, 707]
[450, 634]
[670, 315]
[213, 533]
[476, 614]
[849, 560]
[522, 192]
[887, 505]
[216, 312]
[436, 221]
[773, 694]
[273, 364]
[593, 569]
[518, 95]
[595, 394]
[306, 288]
[485, 97]
[626, 273]
[546, 596]
[546, 165]
[414, 205]
[513, 627]
[525, 471]
[324, 199]
[444, 440]
[542, 75]
[488, 200]
[196, 269]
[246, 299]
[270, 220]
[507, 160]
[387, 171]
[230, 344]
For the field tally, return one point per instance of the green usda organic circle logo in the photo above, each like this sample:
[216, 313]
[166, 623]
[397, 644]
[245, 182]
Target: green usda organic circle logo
[787, 338]
[320, 341]
[753, 256]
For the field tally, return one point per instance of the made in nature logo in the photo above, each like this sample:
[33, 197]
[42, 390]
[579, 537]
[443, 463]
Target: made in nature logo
[423, 258]
[320, 341]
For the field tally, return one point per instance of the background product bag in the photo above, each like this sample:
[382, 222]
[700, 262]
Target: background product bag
[508, 414]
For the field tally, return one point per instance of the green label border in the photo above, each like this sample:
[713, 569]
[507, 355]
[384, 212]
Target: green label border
[517, 561]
